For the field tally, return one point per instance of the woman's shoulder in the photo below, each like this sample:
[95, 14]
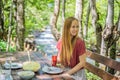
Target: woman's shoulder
[79, 40]
[59, 43]
[60, 40]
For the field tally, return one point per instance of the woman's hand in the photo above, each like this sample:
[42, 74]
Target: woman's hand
[88, 53]
[66, 76]
[60, 65]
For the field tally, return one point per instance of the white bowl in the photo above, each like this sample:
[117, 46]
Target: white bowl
[26, 75]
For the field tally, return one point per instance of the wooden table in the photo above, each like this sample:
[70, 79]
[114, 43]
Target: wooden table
[40, 75]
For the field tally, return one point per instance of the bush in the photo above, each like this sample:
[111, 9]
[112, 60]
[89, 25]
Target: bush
[3, 46]
[91, 76]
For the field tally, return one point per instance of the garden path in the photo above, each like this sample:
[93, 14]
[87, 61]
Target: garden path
[46, 42]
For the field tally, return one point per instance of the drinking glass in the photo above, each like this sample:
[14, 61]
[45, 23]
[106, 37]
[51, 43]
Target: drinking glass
[54, 60]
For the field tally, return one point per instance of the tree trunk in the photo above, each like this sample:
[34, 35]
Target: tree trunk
[113, 56]
[15, 12]
[116, 35]
[116, 30]
[63, 10]
[15, 19]
[108, 33]
[118, 25]
[1, 20]
[10, 27]
[63, 13]
[79, 13]
[20, 25]
[97, 26]
[54, 18]
[86, 22]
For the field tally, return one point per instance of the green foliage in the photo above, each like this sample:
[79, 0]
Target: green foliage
[90, 40]
[3, 46]
[12, 49]
[69, 11]
[70, 8]
[7, 5]
[91, 76]
[37, 14]
[116, 9]
[102, 10]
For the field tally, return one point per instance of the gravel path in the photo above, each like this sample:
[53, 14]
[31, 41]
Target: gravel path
[46, 41]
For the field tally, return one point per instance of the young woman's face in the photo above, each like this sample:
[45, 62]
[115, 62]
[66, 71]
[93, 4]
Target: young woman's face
[74, 28]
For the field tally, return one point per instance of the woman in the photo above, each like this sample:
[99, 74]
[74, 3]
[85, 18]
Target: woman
[71, 49]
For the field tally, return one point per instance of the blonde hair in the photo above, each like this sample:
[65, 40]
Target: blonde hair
[67, 43]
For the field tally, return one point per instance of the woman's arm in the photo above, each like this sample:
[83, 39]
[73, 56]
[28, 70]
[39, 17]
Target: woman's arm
[80, 65]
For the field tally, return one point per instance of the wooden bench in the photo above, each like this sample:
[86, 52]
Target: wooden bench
[103, 60]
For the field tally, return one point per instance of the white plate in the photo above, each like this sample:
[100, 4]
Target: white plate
[13, 65]
[52, 70]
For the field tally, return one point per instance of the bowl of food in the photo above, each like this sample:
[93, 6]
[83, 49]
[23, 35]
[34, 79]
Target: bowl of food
[26, 75]
[31, 66]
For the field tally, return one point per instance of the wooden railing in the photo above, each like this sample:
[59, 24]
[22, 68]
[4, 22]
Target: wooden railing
[103, 60]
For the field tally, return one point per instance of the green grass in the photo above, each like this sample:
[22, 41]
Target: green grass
[91, 76]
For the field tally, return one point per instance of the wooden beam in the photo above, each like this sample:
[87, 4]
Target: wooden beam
[106, 61]
[99, 72]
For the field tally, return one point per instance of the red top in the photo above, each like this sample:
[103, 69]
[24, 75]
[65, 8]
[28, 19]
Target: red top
[79, 49]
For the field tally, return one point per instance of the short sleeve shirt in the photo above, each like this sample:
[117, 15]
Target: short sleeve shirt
[78, 50]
